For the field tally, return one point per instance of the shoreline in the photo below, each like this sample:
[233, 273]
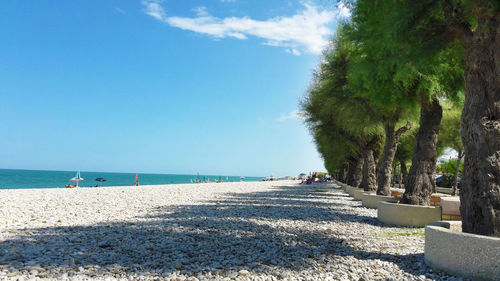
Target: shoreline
[134, 186]
[33, 179]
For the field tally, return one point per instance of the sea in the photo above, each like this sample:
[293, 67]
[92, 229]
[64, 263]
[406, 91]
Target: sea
[19, 179]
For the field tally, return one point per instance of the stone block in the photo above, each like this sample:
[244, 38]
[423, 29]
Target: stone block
[407, 215]
[451, 205]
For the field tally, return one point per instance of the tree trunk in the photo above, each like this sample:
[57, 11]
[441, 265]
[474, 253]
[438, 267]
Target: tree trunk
[357, 173]
[343, 173]
[369, 182]
[394, 172]
[420, 181]
[455, 177]
[385, 170]
[480, 130]
[350, 169]
[404, 171]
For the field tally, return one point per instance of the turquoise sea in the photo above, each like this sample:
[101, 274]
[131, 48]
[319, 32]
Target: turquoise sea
[53, 179]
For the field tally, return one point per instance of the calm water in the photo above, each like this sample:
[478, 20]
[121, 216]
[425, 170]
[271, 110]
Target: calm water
[54, 179]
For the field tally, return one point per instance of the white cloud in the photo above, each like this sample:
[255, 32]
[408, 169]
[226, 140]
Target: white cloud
[154, 9]
[307, 30]
[296, 114]
[448, 153]
[343, 10]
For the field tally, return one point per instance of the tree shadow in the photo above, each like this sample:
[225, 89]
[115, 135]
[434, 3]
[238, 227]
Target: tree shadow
[240, 231]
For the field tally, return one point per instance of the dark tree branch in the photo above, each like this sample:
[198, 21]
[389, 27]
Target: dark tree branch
[403, 129]
[457, 23]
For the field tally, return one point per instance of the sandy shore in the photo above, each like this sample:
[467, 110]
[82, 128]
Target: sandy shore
[241, 231]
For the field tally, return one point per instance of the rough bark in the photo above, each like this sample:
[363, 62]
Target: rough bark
[393, 181]
[455, 176]
[404, 171]
[420, 181]
[348, 176]
[369, 182]
[343, 173]
[480, 130]
[357, 175]
[385, 170]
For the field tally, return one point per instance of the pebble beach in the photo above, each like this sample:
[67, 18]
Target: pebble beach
[276, 230]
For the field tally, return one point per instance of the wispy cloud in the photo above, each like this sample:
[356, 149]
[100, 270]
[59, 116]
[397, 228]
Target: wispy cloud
[119, 10]
[296, 114]
[154, 9]
[201, 11]
[306, 31]
[293, 51]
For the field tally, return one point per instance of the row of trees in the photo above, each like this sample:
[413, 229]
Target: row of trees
[380, 90]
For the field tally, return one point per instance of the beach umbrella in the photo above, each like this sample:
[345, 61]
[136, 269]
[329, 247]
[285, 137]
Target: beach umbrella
[77, 178]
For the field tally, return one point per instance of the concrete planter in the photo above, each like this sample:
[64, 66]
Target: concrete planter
[371, 200]
[350, 190]
[444, 190]
[341, 184]
[407, 215]
[463, 254]
[358, 194]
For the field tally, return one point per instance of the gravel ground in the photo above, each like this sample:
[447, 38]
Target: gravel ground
[229, 231]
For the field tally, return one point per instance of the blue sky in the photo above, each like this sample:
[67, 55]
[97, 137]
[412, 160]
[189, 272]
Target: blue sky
[159, 86]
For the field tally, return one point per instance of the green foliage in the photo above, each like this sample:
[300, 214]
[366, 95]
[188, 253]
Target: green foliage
[400, 73]
[449, 167]
[449, 133]
[320, 175]
[334, 115]
[406, 145]
[376, 67]
[375, 74]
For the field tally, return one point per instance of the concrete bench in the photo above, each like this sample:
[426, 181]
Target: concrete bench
[451, 208]
[436, 198]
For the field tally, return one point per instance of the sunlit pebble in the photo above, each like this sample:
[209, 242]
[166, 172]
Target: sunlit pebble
[243, 231]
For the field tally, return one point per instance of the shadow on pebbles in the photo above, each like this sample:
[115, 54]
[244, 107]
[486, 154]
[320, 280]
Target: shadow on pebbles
[230, 231]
